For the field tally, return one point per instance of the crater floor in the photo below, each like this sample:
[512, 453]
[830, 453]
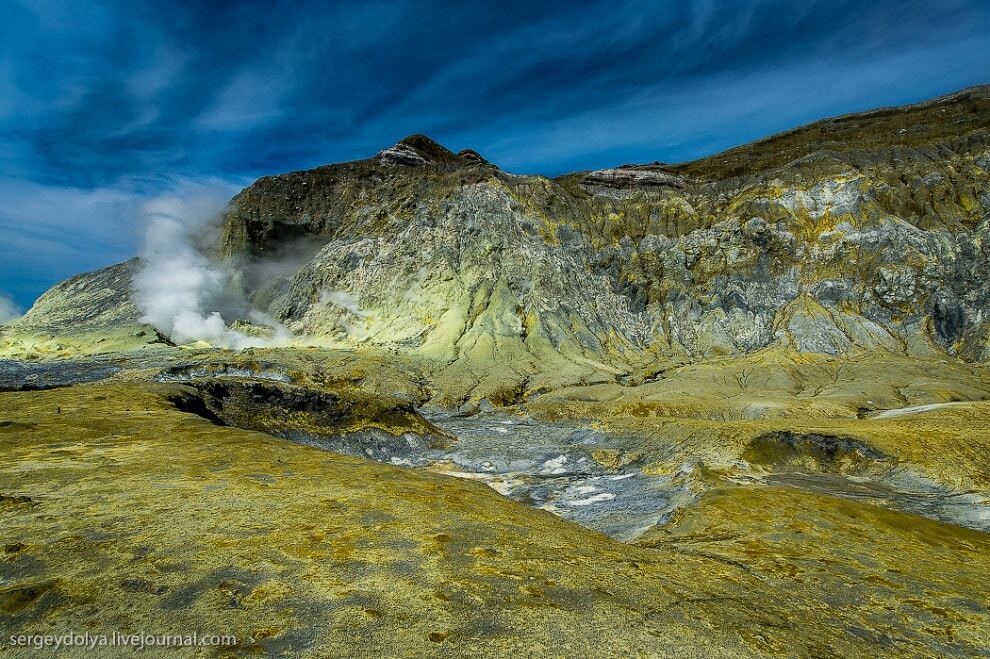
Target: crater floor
[305, 503]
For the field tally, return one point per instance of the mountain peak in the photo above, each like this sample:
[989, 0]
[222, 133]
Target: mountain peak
[419, 150]
[416, 151]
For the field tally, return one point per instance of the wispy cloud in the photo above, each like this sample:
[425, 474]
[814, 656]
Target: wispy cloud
[243, 104]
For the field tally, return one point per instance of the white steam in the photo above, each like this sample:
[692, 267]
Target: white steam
[177, 288]
[356, 327]
[343, 300]
[8, 308]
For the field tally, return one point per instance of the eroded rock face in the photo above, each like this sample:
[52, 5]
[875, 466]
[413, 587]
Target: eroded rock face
[629, 175]
[471, 277]
[867, 232]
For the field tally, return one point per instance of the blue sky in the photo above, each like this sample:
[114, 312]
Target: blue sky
[105, 105]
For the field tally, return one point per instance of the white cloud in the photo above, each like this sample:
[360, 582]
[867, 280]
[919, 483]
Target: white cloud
[247, 101]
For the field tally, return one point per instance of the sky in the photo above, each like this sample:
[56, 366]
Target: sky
[107, 106]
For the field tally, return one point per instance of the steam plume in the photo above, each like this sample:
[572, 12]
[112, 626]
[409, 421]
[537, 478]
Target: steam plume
[177, 289]
[8, 308]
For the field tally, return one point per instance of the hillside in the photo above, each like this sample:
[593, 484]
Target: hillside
[864, 233]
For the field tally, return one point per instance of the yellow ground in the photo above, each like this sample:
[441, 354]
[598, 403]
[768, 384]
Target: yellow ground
[120, 512]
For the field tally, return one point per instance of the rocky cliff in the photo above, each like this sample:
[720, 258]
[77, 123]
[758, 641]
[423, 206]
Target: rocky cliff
[867, 232]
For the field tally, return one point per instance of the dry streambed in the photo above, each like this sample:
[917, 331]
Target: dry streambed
[582, 474]
[594, 478]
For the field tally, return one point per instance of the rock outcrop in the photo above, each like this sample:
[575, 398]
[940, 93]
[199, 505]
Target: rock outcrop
[630, 175]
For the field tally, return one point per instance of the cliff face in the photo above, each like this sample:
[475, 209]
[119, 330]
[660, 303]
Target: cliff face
[862, 232]
[865, 232]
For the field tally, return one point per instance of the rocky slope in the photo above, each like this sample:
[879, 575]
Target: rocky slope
[867, 232]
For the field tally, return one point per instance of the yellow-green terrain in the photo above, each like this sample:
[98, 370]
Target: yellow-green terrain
[120, 512]
[733, 407]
